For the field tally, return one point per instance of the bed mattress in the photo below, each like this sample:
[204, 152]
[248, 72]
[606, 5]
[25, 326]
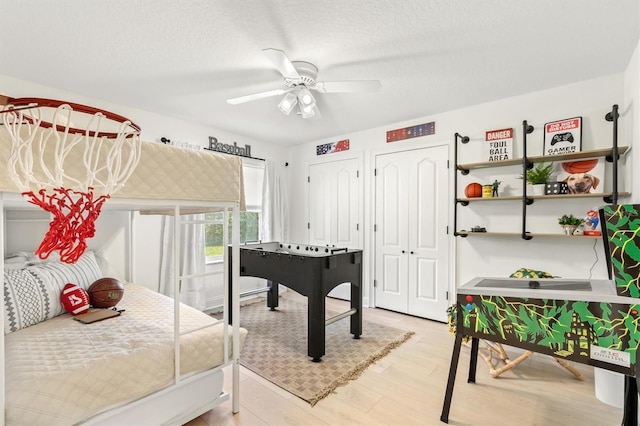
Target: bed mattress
[62, 371]
[164, 173]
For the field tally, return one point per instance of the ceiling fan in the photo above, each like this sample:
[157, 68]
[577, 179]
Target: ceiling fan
[299, 79]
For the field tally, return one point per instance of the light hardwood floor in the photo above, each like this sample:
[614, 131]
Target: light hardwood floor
[407, 388]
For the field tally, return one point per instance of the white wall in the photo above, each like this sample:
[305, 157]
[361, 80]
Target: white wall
[112, 226]
[496, 256]
[590, 99]
[631, 127]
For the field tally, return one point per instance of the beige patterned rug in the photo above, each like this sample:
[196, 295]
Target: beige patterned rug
[276, 349]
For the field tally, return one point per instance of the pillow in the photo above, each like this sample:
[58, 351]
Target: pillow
[18, 260]
[32, 294]
[105, 268]
[84, 272]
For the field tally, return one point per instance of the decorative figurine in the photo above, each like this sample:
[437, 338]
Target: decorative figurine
[591, 223]
[496, 183]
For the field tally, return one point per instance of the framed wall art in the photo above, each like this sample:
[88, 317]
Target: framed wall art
[582, 176]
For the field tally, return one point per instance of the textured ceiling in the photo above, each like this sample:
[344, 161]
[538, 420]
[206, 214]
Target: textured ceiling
[185, 58]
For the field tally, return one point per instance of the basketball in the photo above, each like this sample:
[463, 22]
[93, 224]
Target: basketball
[74, 299]
[579, 166]
[473, 190]
[105, 292]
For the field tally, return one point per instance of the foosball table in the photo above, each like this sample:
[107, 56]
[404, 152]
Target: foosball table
[594, 322]
[312, 271]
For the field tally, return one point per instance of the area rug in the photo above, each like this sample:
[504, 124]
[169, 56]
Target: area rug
[276, 349]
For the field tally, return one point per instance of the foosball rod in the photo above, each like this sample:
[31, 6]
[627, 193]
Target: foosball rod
[254, 291]
[340, 316]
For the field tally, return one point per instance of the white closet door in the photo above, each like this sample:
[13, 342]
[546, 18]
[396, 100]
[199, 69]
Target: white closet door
[346, 229]
[411, 242]
[334, 203]
[321, 186]
[428, 240]
[391, 234]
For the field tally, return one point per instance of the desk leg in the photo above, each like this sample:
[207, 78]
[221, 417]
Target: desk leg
[272, 295]
[473, 360]
[453, 368]
[630, 413]
[316, 327]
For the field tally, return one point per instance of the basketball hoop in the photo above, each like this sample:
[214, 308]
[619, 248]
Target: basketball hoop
[68, 159]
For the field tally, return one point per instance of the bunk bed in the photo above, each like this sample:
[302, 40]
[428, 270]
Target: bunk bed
[60, 371]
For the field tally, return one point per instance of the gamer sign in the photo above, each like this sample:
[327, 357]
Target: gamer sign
[563, 137]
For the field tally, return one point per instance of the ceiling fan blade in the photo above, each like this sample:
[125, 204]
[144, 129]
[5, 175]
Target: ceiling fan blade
[255, 96]
[282, 63]
[347, 86]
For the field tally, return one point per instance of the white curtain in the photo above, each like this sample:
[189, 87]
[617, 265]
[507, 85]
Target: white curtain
[193, 291]
[275, 206]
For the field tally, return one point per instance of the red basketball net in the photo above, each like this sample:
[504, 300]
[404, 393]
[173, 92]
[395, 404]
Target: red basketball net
[58, 145]
[74, 215]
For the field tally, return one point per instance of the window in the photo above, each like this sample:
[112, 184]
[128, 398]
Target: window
[253, 174]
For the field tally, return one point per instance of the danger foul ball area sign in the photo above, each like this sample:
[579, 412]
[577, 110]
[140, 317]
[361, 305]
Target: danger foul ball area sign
[499, 145]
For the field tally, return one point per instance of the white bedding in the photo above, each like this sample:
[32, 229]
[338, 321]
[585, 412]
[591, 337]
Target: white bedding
[62, 371]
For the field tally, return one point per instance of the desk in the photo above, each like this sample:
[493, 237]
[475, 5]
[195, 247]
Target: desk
[312, 271]
[578, 320]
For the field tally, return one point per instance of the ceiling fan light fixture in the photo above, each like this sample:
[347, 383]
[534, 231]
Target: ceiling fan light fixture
[287, 103]
[307, 111]
[305, 97]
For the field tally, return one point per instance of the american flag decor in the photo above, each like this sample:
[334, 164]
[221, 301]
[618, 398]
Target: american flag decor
[332, 147]
[411, 132]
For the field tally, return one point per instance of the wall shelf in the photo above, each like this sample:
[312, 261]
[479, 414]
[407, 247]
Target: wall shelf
[611, 154]
[606, 153]
[464, 233]
[542, 197]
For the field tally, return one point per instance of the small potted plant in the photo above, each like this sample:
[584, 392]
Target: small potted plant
[569, 223]
[538, 176]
